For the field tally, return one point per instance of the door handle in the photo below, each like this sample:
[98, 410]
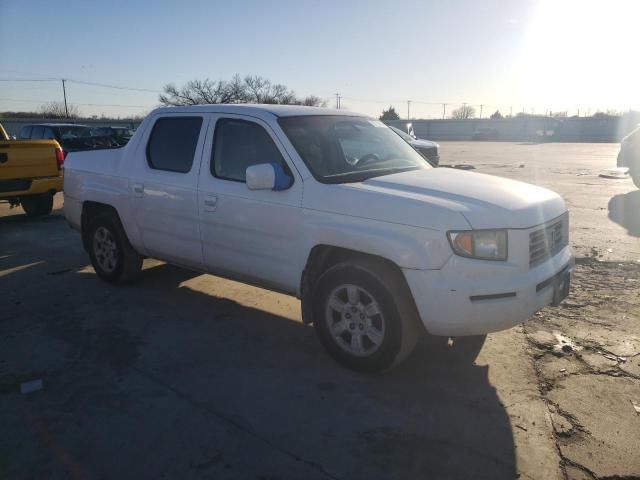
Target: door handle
[138, 189]
[210, 203]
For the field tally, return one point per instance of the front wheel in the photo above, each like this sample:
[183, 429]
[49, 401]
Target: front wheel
[112, 256]
[37, 205]
[635, 176]
[357, 319]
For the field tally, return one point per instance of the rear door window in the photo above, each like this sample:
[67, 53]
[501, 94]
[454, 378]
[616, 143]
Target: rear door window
[172, 143]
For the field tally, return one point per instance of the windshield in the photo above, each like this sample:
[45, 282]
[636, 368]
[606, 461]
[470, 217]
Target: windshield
[340, 149]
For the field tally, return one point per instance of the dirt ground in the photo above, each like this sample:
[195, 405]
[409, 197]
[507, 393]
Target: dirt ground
[184, 375]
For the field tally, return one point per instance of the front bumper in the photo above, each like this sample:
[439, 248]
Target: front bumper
[474, 297]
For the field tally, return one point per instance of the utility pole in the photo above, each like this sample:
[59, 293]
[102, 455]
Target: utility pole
[408, 109]
[64, 92]
[511, 111]
[481, 110]
[444, 110]
[464, 110]
[337, 101]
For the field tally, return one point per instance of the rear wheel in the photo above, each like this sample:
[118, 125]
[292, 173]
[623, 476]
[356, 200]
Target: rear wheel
[358, 320]
[112, 256]
[37, 205]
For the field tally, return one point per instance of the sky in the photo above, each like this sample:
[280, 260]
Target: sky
[511, 55]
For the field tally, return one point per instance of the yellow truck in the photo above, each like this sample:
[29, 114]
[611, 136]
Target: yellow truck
[30, 173]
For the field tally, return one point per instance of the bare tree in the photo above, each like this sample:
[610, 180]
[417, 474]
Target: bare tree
[57, 110]
[464, 112]
[312, 101]
[251, 89]
[196, 92]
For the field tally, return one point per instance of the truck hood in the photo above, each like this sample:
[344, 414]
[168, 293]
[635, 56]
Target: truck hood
[486, 201]
[421, 143]
[446, 199]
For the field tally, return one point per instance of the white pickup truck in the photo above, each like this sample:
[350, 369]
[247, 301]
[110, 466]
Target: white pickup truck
[332, 207]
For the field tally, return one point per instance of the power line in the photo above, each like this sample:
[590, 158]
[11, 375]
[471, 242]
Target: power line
[116, 87]
[74, 103]
[30, 79]
[80, 82]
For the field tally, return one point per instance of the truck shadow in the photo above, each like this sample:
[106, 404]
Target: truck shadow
[624, 209]
[165, 352]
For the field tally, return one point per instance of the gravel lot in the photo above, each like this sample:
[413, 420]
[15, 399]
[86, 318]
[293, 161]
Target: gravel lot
[184, 375]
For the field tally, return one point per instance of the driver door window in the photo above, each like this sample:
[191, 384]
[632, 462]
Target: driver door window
[240, 144]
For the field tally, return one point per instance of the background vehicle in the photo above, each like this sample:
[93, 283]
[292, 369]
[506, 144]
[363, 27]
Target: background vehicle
[430, 150]
[71, 137]
[120, 134]
[30, 173]
[329, 206]
[629, 155]
[485, 134]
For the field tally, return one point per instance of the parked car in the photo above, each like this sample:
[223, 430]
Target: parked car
[332, 207]
[70, 136]
[629, 155]
[30, 173]
[430, 150]
[120, 134]
[485, 134]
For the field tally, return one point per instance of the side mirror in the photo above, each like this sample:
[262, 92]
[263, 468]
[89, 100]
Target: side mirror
[267, 176]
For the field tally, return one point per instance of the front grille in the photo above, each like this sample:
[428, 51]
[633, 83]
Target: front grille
[429, 151]
[547, 241]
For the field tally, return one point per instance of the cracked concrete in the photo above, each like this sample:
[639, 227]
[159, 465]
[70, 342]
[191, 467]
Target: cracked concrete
[595, 383]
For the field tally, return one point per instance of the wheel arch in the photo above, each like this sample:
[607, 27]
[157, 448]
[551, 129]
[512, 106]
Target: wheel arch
[323, 256]
[91, 209]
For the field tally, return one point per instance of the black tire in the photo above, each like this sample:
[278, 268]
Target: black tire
[37, 205]
[127, 263]
[635, 176]
[388, 289]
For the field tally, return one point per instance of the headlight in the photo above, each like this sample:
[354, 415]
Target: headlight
[481, 244]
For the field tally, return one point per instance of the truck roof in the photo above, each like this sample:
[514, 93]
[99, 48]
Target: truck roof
[258, 110]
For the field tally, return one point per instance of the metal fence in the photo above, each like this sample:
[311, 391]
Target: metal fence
[525, 129]
[516, 129]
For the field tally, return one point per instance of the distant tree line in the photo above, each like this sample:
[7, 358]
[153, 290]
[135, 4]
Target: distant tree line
[466, 112]
[250, 89]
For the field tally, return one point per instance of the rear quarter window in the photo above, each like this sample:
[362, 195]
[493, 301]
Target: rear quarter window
[37, 133]
[172, 143]
[25, 133]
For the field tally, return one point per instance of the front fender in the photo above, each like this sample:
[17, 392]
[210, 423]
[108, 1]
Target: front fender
[406, 246]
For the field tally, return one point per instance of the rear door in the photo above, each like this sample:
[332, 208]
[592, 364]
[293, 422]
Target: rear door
[163, 188]
[252, 235]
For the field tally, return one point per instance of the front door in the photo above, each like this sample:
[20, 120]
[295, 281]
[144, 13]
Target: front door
[252, 235]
